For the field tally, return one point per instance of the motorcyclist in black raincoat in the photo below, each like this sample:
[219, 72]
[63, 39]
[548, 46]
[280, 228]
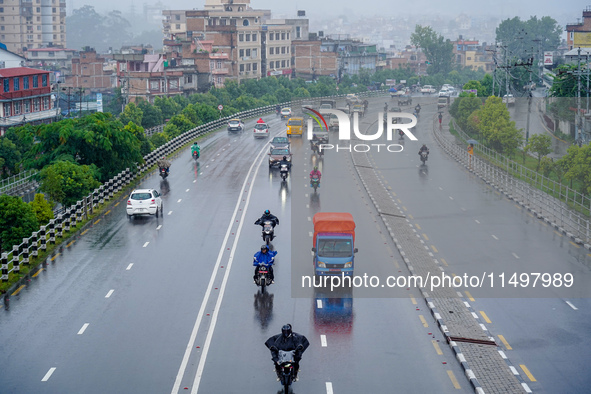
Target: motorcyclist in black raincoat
[267, 216]
[287, 341]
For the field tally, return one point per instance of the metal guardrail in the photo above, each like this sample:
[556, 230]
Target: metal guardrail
[18, 182]
[557, 203]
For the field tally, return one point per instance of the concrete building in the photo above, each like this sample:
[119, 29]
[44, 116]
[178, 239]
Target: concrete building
[579, 34]
[470, 53]
[57, 59]
[88, 72]
[31, 24]
[310, 62]
[26, 97]
[9, 59]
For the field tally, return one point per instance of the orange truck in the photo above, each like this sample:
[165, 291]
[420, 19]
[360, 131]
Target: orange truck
[334, 243]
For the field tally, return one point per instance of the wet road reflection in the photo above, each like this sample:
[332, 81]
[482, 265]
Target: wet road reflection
[333, 311]
[263, 306]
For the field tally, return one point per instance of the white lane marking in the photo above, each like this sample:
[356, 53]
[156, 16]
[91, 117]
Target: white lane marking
[571, 305]
[440, 188]
[207, 166]
[146, 244]
[218, 304]
[319, 304]
[48, 374]
[310, 233]
[169, 213]
[109, 293]
[307, 205]
[323, 340]
[306, 194]
[476, 221]
[83, 328]
[159, 227]
[187, 190]
[180, 199]
[495, 237]
[329, 388]
[129, 266]
[309, 219]
[193, 337]
[515, 255]
[451, 198]
[194, 180]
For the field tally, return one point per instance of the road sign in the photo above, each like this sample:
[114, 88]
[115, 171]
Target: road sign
[548, 58]
[220, 107]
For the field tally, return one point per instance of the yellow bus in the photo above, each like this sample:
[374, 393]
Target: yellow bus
[295, 126]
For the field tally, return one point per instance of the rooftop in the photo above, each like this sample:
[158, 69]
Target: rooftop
[20, 71]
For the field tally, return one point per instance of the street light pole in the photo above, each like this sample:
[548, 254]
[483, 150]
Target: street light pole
[578, 114]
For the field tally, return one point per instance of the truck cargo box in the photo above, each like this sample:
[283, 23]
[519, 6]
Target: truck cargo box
[333, 222]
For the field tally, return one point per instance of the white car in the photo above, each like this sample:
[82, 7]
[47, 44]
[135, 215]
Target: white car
[428, 89]
[144, 202]
[444, 92]
[261, 130]
[509, 99]
[285, 113]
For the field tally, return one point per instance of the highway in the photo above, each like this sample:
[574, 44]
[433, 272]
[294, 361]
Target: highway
[168, 305]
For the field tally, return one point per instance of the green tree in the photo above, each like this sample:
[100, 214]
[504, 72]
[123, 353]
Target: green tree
[159, 139]
[439, 51]
[66, 182]
[462, 108]
[167, 106]
[82, 26]
[131, 113]
[495, 125]
[546, 166]
[580, 168]
[181, 122]
[42, 209]
[541, 144]
[152, 115]
[9, 157]
[138, 131]
[17, 221]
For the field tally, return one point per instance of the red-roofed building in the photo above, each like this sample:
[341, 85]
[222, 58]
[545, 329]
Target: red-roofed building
[25, 97]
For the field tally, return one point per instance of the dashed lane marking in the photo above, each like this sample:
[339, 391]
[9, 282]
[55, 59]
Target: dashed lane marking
[486, 319]
[494, 236]
[323, 340]
[159, 227]
[48, 374]
[527, 373]
[507, 346]
[453, 379]
[329, 388]
[98, 220]
[84, 327]
[413, 300]
[434, 249]
[54, 257]
[417, 226]
[571, 305]
[18, 290]
[437, 348]
[109, 293]
[180, 199]
[515, 255]
[476, 221]
[129, 266]
[469, 295]
[37, 273]
[169, 212]
[146, 244]
[424, 321]
[319, 304]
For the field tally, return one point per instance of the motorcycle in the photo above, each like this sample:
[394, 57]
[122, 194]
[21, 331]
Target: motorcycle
[315, 182]
[163, 172]
[424, 156]
[283, 171]
[195, 155]
[286, 369]
[268, 232]
[262, 279]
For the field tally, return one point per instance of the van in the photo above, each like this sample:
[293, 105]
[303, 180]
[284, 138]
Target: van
[442, 102]
[295, 126]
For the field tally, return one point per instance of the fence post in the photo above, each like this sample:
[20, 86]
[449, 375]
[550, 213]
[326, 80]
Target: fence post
[52, 231]
[15, 260]
[4, 261]
[26, 250]
[34, 244]
[43, 238]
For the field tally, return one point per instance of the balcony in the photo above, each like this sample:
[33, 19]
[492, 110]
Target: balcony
[218, 71]
[219, 56]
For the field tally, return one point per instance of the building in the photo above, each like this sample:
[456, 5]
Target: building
[28, 24]
[26, 97]
[470, 53]
[579, 34]
[88, 72]
[9, 59]
[56, 59]
[311, 62]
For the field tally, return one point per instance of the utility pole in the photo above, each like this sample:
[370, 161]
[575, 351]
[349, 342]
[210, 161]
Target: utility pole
[578, 114]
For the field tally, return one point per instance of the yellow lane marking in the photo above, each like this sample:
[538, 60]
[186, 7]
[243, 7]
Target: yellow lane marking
[414, 301]
[117, 203]
[424, 321]
[399, 200]
[469, 295]
[37, 273]
[530, 214]
[529, 375]
[436, 346]
[108, 212]
[444, 262]
[394, 194]
[434, 249]
[497, 193]
[425, 236]
[98, 220]
[410, 216]
[517, 206]
[544, 224]
[404, 208]
[18, 290]
[502, 338]
[557, 233]
[486, 319]
[53, 258]
[574, 244]
[68, 245]
[84, 232]
[454, 381]
[417, 226]
[588, 254]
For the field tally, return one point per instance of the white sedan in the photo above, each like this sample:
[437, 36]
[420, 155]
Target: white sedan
[144, 202]
[261, 130]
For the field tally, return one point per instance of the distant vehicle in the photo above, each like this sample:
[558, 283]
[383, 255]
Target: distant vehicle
[235, 125]
[442, 102]
[280, 143]
[261, 130]
[509, 99]
[333, 123]
[276, 155]
[351, 98]
[428, 89]
[295, 126]
[334, 243]
[328, 104]
[444, 92]
[144, 202]
[530, 86]
[407, 100]
[285, 113]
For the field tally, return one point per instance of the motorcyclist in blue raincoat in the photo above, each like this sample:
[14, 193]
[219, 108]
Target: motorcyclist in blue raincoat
[266, 257]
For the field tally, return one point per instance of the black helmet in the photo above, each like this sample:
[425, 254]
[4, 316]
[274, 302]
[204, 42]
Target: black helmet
[284, 157]
[267, 212]
[264, 247]
[286, 330]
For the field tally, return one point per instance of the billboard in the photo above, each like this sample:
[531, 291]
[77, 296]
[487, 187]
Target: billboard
[582, 40]
[548, 58]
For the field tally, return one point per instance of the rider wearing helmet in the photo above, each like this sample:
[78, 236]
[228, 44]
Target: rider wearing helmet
[195, 148]
[286, 162]
[287, 341]
[267, 216]
[315, 173]
[424, 149]
[265, 257]
[163, 163]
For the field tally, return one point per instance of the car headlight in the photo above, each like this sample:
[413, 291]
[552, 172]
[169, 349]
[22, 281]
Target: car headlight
[321, 264]
[348, 264]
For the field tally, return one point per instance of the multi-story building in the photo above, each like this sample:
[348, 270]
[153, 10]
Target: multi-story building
[56, 59]
[88, 72]
[26, 97]
[470, 53]
[30, 24]
[310, 62]
[9, 59]
[579, 34]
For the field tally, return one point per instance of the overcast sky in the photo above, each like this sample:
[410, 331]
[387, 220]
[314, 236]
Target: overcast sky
[325, 8]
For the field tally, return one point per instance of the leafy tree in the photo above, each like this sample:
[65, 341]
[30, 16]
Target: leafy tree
[171, 130]
[138, 131]
[181, 122]
[439, 51]
[159, 139]
[152, 115]
[580, 168]
[82, 26]
[245, 102]
[495, 125]
[17, 221]
[131, 113]
[115, 32]
[114, 104]
[521, 37]
[462, 108]
[541, 144]
[546, 166]
[475, 85]
[42, 209]
[167, 106]
[206, 112]
[9, 157]
[66, 182]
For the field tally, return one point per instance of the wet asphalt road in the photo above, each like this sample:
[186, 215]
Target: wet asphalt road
[132, 306]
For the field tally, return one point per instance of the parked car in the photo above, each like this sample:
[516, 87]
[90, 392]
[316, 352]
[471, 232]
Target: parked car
[261, 130]
[276, 155]
[285, 113]
[235, 125]
[144, 202]
[509, 99]
[280, 143]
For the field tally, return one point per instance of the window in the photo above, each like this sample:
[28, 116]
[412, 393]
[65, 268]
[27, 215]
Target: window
[254, 37]
[2, 27]
[240, 37]
[241, 53]
[282, 49]
[283, 63]
[15, 84]
[254, 66]
[189, 79]
[174, 83]
[248, 52]
[287, 49]
[44, 80]
[288, 35]
[177, 17]
[36, 105]
[26, 83]
[271, 65]
[154, 85]
[1, 9]
[254, 53]
[298, 32]
[271, 50]
[7, 109]
[247, 66]
[277, 36]
[288, 63]
[245, 22]
[17, 107]
[177, 26]
[6, 85]
[271, 35]
[241, 67]
[27, 106]
[219, 80]
[283, 36]
[46, 104]
[248, 37]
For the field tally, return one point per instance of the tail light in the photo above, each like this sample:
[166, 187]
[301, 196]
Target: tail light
[153, 201]
[128, 202]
